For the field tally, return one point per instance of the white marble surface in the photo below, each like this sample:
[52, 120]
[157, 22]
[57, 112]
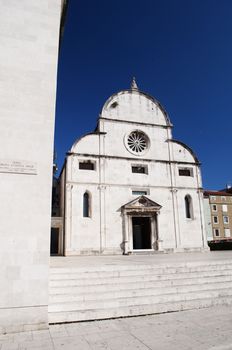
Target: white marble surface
[207, 329]
[29, 38]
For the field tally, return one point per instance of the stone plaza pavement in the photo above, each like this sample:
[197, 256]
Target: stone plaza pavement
[204, 329]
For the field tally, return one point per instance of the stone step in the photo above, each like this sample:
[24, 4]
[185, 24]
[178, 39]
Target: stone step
[95, 288]
[137, 278]
[69, 274]
[137, 267]
[117, 290]
[127, 293]
[99, 288]
[140, 300]
[135, 310]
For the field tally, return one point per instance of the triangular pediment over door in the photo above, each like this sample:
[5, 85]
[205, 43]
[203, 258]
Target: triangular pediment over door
[142, 203]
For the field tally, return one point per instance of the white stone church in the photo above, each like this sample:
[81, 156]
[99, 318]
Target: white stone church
[128, 187]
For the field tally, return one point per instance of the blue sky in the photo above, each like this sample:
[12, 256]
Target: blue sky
[179, 51]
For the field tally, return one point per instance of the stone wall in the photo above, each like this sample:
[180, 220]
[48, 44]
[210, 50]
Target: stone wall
[29, 39]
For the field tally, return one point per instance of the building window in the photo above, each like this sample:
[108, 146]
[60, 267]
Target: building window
[214, 207]
[114, 105]
[226, 219]
[188, 207]
[139, 193]
[227, 232]
[216, 232]
[137, 142]
[223, 198]
[215, 220]
[86, 165]
[86, 205]
[185, 172]
[213, 198]
[224, 207]
[139, 169]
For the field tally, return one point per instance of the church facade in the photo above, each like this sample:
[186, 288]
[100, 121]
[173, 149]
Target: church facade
[129, 187]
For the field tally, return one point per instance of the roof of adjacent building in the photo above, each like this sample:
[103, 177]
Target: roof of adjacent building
[228, 189]
[217, 193]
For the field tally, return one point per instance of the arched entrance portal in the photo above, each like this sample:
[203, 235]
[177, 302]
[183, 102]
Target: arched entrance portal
[140, 225]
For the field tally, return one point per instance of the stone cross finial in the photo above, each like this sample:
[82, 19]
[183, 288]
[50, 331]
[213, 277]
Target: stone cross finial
[134, 85]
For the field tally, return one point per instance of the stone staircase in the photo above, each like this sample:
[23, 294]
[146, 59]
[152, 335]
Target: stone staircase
[100, 292]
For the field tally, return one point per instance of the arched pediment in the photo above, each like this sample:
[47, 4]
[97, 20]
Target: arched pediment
[179, 147]
[135, 105]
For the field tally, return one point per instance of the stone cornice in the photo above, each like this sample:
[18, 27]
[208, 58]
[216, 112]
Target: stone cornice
[129, 158]
[136, 123]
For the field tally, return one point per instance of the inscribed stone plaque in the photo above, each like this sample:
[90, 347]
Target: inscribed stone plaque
[18, 167]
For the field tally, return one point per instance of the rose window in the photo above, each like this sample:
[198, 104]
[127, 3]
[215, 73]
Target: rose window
[137, 142]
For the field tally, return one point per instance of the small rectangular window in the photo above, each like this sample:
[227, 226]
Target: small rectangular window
[139, 169]
[139, 193]
[214, 207]
[226, 219]
[224, 207]
[227, 232]
[185, 172]
[213, 198]
[216, 232]
[223, 198]
[215, 219]
[86, 165]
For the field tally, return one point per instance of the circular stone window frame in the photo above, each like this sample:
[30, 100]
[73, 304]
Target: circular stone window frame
[138, 154]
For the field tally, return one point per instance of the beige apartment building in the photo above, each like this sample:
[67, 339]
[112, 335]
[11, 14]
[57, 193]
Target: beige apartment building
[219, 225]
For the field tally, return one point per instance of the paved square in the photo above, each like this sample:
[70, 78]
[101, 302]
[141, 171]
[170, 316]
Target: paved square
[204, 329]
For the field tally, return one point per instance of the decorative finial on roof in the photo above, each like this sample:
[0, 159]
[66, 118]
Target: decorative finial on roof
[134, 85]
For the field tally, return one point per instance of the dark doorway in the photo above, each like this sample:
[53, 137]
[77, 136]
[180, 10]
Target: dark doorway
[141, 232]
[54, 244]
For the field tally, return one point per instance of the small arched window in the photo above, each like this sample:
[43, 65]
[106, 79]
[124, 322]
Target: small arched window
[188, 207]
[86, 205]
